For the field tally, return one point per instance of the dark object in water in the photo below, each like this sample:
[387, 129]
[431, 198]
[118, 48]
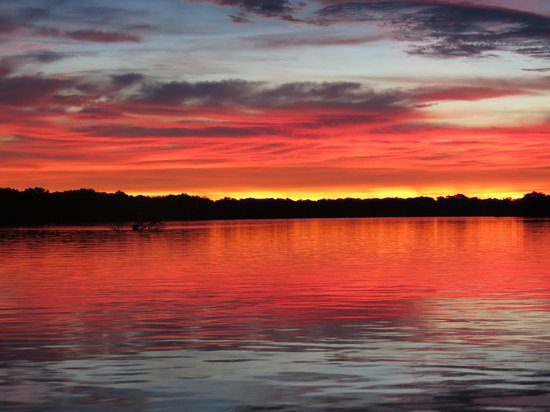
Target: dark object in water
[142, 227]
[148, 226]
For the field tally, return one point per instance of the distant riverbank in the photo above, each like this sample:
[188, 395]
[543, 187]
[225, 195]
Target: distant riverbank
[37, 206]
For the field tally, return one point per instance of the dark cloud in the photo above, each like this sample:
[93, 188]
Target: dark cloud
[89, 23]
[137, 131]
[141, 27]
[99, 36]
[323, 104]
[343, 95]
[294, 41]
[25, 90]
[333, 94]
[22, 17]
[257, 94]
[10, 63]
[449, 29]
[89, 35]
[45, 56]
[239, 19]
[94, 15]
[6, 25]
[268, 8]
[127, 79]
[538, 70]
[437, 28]
[33, 13]
[103, 12]
[200, 92]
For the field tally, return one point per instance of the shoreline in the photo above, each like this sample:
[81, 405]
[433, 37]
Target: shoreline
[36, 207]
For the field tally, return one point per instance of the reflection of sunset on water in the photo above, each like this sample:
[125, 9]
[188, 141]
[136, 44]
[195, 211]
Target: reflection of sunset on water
[387, 305]
[161, 121]
[261, 274]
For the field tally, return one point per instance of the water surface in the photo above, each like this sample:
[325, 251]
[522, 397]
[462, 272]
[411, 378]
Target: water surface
[412, 314]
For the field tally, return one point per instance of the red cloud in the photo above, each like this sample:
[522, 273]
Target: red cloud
[98, 36]
[216, 135]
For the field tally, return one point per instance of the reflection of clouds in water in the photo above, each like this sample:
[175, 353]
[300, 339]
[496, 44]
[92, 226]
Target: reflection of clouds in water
[313, 313]
[392, 374]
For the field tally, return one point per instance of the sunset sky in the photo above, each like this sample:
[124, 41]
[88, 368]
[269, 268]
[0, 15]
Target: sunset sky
[276, 98]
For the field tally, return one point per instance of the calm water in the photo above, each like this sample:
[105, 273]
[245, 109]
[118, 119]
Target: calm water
[419, 314]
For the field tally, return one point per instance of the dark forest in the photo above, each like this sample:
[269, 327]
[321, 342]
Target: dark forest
[37, 206]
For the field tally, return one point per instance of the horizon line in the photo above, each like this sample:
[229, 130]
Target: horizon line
[517, 195]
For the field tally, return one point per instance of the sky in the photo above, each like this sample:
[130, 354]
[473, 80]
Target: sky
[276, 98]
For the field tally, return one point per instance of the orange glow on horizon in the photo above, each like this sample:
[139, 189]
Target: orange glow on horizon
[341, 194]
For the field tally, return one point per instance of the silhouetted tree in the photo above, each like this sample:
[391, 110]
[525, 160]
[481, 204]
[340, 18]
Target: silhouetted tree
[37, 206]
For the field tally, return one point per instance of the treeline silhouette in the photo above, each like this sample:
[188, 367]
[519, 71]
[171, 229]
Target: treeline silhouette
[37, 206]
